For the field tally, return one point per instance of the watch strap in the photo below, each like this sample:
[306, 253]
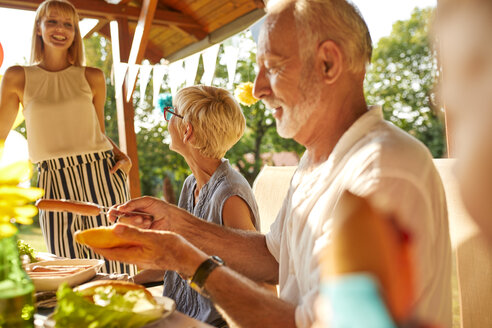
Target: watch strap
[197, 282]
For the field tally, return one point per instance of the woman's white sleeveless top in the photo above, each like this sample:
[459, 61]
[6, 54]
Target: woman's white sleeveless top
[60, 117]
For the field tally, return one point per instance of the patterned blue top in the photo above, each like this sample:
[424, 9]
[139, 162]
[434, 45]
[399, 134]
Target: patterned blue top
[224, 183]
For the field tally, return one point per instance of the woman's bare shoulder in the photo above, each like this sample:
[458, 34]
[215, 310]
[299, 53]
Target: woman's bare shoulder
[94, 76]
[13, 72]
[93, 72]
[14, 77]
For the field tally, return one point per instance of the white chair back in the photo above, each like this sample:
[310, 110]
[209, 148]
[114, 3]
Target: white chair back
[270, 188]
[473, 255]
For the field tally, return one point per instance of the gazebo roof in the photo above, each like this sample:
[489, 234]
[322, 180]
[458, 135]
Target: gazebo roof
[175, 28]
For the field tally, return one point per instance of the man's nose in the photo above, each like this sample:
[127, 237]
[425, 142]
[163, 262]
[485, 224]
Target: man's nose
[262, 85]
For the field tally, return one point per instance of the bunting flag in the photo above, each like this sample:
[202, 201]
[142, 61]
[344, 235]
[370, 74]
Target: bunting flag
[209, 56]
[159, 71]
[183, 71]
[145, 71]
[191, 67]
[176, 76]
[231, 54]
[119, 77]
[131, 80]
[255, 29]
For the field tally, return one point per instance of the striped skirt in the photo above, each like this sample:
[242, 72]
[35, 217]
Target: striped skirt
[83, 178]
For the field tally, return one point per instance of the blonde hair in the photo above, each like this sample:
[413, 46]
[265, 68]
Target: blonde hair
[336, 20]
[64, 8]
[217, 120]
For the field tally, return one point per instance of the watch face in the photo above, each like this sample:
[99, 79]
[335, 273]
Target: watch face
[217, 259]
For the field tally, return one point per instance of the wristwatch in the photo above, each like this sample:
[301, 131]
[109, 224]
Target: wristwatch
[197, 282]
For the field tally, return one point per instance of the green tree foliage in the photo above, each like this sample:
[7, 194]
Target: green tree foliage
[401, 78]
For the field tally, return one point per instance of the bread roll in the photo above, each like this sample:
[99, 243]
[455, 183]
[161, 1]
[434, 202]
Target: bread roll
[101, 237]
[121, 287]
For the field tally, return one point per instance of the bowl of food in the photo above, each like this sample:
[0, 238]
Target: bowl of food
[109, 303]
[48, 275]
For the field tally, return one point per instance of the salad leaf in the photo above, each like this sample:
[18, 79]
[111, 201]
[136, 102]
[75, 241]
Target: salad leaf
[75, 310]
[26, 249]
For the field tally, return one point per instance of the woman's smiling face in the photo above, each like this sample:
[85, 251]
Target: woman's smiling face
[57, 30]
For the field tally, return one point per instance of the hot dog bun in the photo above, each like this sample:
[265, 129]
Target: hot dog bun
[63, 205]
[101, 237]
[121, 287]
[109, 303]
[143, 304]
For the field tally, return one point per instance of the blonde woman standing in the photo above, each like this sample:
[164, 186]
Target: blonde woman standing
[64, 111]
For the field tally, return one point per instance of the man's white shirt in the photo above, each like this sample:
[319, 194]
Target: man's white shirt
[374, 159]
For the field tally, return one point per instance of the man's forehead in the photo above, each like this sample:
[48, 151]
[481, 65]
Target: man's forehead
[277, 31]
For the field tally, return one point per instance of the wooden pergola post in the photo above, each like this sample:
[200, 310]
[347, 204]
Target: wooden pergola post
[120, 39]
[134, 54]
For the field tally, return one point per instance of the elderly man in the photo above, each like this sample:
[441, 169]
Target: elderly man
[312, 57]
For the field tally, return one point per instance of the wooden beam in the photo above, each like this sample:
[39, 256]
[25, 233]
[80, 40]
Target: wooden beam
[100, 25]
[120, 39]
[141, 35]
[140, 40]
[101, 10]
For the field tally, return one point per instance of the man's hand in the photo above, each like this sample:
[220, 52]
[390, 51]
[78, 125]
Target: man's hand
[155, 250]
[166, 216]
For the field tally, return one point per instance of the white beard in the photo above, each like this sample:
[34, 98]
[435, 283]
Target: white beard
[294, 119]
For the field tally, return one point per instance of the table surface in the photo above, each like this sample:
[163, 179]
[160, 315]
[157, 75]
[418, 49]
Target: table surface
[175, 320]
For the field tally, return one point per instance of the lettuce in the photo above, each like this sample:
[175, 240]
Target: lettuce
[26, 249]
[74, 310]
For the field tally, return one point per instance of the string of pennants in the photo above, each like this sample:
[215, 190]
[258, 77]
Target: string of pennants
[178, 73]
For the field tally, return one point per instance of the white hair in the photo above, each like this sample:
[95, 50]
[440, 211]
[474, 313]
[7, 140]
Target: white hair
[336, 20]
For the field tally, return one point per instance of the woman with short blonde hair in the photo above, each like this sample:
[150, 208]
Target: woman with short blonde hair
[204, 124]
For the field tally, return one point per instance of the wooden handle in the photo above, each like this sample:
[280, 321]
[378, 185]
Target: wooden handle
[62, 205]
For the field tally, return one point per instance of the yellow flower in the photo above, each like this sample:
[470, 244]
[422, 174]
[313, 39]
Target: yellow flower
[244, 94]
[14, 200]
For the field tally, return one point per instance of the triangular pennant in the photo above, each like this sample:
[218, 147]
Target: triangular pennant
[191, 67]
[159, 71]
[145, 71]
[119, 77]
[209, 56]
[131, 80]
[231, 54]
[176, 76]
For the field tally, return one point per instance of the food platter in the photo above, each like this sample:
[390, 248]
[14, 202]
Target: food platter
[168, 304]
[48, 275]
[169, 307]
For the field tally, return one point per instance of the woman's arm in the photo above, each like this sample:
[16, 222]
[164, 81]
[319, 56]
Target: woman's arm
[11, 92]
[236, 214]
[97, 82]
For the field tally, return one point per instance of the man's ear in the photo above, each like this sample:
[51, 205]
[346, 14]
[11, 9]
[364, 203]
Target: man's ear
[331, 58]
[188, 133]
